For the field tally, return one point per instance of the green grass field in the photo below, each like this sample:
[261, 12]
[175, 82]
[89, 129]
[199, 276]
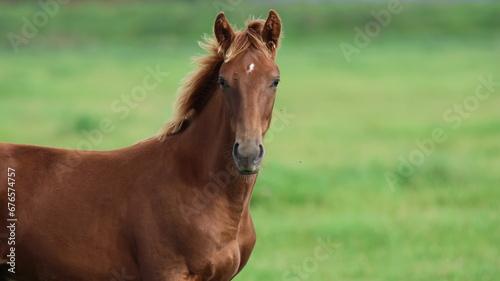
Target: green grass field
[339, 129]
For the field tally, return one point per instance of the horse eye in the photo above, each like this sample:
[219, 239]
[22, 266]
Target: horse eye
[276, 82]
[222, 82]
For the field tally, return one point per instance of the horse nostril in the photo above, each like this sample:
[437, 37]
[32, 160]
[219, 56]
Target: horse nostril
[235, 150]
[261, 153]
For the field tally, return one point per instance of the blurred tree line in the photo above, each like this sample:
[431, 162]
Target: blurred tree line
[173, 21]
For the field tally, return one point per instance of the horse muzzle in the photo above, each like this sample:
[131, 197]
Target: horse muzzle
[248, 157]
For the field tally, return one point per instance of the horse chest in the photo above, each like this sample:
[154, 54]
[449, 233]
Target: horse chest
[223, 263]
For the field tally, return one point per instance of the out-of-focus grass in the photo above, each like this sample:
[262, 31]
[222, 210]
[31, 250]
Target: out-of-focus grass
[348, 124]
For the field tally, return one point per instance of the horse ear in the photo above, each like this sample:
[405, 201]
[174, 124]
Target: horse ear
[223, 32]
[272, 31]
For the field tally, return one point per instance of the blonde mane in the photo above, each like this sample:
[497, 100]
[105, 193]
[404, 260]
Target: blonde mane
[200, 84]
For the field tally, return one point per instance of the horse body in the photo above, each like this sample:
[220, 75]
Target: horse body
[112, 198]
[174, 207]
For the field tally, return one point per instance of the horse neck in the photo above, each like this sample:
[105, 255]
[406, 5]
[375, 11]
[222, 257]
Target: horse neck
[208, 143]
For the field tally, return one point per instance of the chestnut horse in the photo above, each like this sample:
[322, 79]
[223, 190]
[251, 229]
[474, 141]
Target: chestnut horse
[171, 207]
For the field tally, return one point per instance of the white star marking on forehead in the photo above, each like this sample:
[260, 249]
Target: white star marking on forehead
[250, 68]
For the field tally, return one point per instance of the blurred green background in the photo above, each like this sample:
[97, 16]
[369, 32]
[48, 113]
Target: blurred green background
[343, 160]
